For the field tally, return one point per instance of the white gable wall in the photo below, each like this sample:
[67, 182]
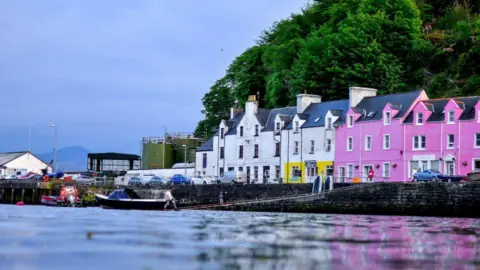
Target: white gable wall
[26, 161]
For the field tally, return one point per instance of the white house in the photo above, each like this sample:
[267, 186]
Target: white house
[9, 162]
[204, 160]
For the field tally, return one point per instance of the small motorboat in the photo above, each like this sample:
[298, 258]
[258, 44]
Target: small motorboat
[128, 199]
[49, 200]
[68, 197]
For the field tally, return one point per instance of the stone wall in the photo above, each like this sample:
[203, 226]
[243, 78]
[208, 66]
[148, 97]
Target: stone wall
[422, 199]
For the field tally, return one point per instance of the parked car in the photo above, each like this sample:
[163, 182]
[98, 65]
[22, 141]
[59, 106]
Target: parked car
[201, 180]
[434, 175]
[135, 181]
[179, 179]
[232, 177]
[155, 181]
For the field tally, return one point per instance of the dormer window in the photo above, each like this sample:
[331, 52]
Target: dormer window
[277, 127]
[451, 117]
[222, 133]
[257, 128]
[419, 118]
[350, 121]
[388, 118]
[297, 126]
[329, 123]
[241, 131]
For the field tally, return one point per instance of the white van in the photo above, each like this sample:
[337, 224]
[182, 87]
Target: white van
[232, 177]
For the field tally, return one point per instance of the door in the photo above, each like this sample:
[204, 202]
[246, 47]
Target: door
[450, 167]
[366, 169]
[248, 175]
[341, 174]
[266, 174]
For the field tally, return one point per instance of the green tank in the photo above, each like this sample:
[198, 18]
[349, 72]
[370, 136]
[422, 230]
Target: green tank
[191, 144]
[152, 156]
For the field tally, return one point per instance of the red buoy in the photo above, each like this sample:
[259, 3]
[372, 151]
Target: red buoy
[20, 203]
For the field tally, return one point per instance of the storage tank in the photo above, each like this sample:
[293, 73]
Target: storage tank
[191, 148]
[153, 152]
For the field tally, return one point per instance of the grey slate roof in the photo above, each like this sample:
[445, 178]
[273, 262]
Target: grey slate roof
[7, 157]
[318, 111]
[233, 123]
[285, 114]
[207, 146]
[374, 105]
[262, 116]
[437, 107]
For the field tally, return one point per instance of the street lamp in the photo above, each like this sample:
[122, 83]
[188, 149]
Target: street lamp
[185, 160]
[54, 147]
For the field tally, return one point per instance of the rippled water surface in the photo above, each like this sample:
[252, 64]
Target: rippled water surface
[36, 237]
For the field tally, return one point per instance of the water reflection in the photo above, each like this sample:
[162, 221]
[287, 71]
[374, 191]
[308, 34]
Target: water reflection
[56, 238]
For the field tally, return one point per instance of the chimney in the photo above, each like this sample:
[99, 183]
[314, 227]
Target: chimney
[358, 93]
[235, 110]
[304, 100]
[251, 106]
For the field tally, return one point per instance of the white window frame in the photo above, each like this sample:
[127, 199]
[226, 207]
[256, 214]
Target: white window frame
[451, 121]
[277, 126]
[389, 170]
[419, 143]
[350, 121]
[312, 146]
[478, 115]
[450, 144]
[295, 147]
[329, 123]
[349, 149]
[475, 145]
[416, 119]
[348, 171]
[389, 141]
[297, 126]
[387, 119]
[341, 177]
[328, 145]
[368, 144]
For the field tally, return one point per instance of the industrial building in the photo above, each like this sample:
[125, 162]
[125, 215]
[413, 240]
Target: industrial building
[113, 163]
[172, 148]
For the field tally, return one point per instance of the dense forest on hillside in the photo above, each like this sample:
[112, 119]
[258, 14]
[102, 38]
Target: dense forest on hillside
[391, 45]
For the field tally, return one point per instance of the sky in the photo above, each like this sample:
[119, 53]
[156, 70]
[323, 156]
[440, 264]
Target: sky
[110, 72]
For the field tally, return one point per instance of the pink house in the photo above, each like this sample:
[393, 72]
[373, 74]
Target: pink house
[371, 137]
[444, 134]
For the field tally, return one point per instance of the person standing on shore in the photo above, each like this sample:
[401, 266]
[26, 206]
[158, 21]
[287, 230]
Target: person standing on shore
[169, 200]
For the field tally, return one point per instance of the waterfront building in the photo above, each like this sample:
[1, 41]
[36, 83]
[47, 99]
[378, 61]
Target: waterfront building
[112, 163]
[444, 135]
[204, 160]
[308, 139]
[12, 161]
[372, 136]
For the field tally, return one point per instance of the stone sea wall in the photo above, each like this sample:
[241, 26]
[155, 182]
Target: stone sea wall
[422, 199]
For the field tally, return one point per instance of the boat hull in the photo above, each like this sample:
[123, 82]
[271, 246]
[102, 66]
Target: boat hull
[129, 204]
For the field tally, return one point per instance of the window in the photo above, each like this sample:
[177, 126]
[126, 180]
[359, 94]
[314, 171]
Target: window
[255, 153]
[419, 143]
[297, 126]
[424, 165]
[222, 133]
[296, 172]
[350, 170]
[341, 174]
[241, 131]
[451, 117]
[256, 130]
[240, 169]
[388, 118]
[329, 123]
[204, 159]
[435, 165]
[451, 141]
[231, 169]
[255, 173]
[277, 126]
[386, 141]
[221, 171]
[328, 147]
[222, 152]
[349, 144]
[295, 148]
[277, 172]
[477, 140]
[350, 121]
[240, 151]
[386, 170]
[368, 143]
[277, 149]
[414, 166]
[312, 146]
[419, 118]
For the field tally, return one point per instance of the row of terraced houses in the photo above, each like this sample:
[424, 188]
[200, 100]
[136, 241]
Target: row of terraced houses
[393, 135]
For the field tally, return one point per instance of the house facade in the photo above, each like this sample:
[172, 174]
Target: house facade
[204, 159]
[444, 135]
[372, 136]
[9, 162]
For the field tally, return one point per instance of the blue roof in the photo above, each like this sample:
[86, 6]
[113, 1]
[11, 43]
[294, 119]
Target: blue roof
[207, 146]
[316, 112]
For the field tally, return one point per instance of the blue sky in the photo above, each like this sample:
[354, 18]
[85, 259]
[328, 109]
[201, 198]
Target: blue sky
[109, 72]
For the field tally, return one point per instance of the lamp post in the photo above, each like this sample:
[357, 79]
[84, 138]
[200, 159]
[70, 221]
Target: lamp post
[54, 147]
[164, 145]
[185, 160]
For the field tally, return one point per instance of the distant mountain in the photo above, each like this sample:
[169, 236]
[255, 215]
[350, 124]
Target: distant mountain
[68, 159]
